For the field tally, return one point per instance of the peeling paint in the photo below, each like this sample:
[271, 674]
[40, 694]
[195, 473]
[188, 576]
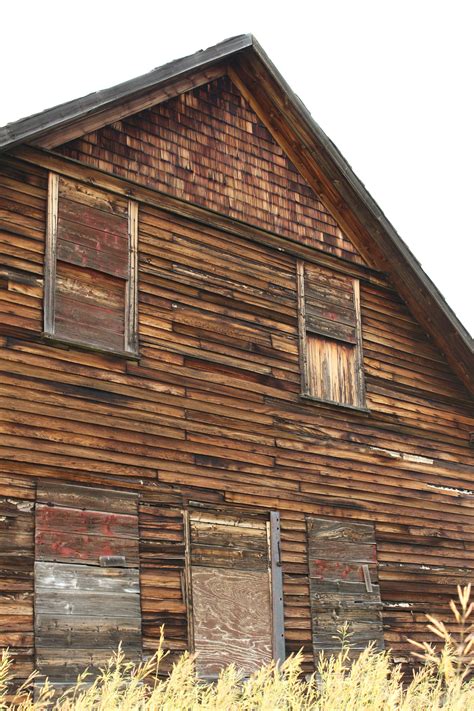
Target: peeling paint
[23, 506]
[402, 455]
[454, 489]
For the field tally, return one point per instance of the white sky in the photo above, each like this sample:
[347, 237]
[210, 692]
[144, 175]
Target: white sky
[390, 81]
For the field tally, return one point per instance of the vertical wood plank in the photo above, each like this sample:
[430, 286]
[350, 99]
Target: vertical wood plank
[359, 347]
[131, 300]
[187, 580]
[303, 356]
[50, 254]
[278, 624]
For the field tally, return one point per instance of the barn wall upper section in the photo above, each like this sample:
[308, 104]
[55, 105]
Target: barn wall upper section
[209, 147]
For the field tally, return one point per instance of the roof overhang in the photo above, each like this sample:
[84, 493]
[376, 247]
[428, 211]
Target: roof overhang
[305, 143]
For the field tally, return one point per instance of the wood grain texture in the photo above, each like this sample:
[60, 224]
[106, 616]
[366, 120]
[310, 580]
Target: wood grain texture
[331, 370]
[232, 619]
[92, 229]
[71, 520]
[228, 542]
[230, 572]
[61, 494]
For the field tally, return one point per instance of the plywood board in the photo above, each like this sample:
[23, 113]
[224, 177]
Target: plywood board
[232, 619]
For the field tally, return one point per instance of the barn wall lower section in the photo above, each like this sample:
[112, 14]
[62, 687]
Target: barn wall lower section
[409, 588]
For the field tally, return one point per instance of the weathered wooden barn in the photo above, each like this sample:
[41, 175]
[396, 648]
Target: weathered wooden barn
[232, 402]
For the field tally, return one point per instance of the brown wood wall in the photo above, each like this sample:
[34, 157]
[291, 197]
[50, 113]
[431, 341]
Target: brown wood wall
[212, 413]
[209, 147]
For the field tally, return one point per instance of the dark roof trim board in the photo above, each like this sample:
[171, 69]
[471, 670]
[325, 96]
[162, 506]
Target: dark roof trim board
[31, 128]
[308, 147]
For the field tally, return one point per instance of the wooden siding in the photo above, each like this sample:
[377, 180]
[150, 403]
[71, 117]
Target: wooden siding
[212, 413]
[23, 199]
[17, 551]
[209, 147]
[87, 594]
[162, 578]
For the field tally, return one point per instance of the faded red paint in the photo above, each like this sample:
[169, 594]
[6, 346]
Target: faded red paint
[320, 567]
[58, 544]
[80, 521]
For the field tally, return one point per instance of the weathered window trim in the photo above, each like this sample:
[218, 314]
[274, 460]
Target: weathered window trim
[50, 254]
[334, 403]
[303, 331]
[131, 288]
[68, 343]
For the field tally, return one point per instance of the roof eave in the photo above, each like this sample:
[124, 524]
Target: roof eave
[31, 128]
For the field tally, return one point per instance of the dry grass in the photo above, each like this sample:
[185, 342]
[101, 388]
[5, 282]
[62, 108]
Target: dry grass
[372, 683]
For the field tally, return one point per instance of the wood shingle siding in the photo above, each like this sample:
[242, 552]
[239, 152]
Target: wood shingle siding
[209, 147]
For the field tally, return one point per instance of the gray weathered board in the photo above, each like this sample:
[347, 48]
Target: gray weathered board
[87, 590]
[343, 584]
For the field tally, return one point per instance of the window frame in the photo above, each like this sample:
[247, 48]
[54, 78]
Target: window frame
[303, 347]
[130, 349]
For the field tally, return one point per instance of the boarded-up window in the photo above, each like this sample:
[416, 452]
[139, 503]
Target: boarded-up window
[330, 336]
[87, 596]
[344, 584]
[235, 592]
[90, 267]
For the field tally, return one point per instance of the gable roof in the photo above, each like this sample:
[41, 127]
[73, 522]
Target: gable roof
[307, 146]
